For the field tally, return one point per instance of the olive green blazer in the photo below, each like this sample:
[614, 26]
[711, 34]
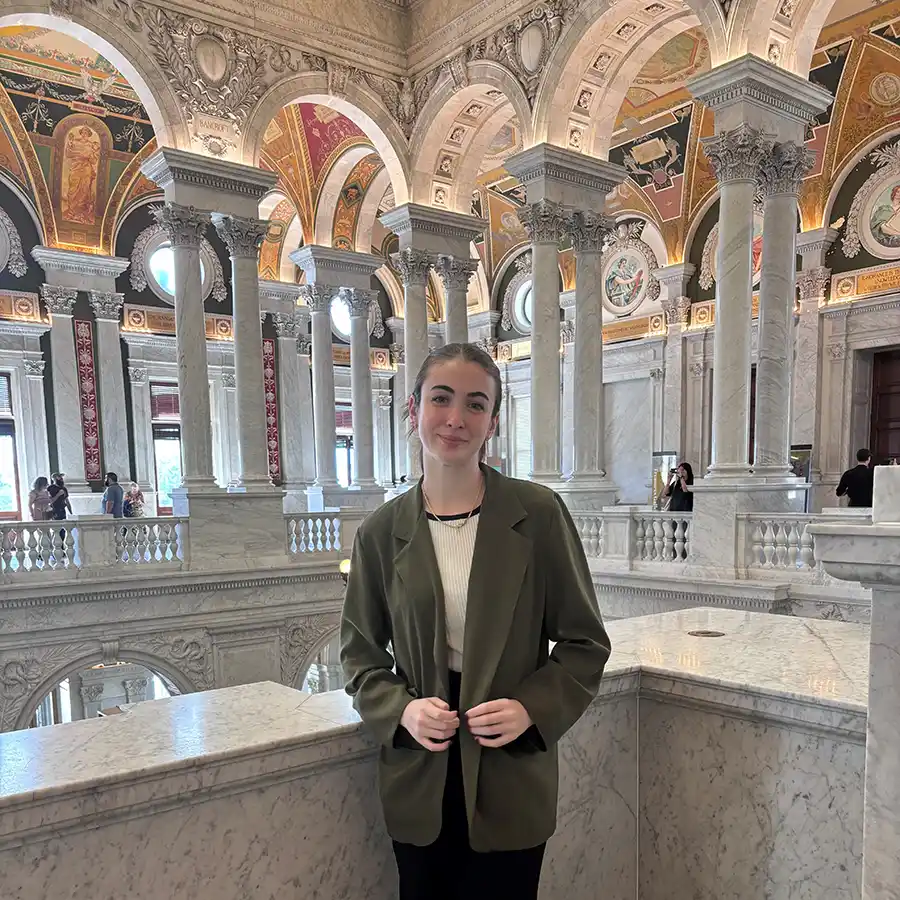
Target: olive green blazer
[529, 585]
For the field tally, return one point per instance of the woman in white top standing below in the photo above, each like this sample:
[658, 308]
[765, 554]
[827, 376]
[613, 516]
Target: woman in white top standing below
[467, 577]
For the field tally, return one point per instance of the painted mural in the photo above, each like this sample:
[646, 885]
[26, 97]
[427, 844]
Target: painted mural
[349, 204]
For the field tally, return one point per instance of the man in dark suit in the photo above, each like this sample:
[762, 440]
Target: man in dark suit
[857, 482]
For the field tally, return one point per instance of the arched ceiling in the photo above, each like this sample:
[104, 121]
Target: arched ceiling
[73, 135]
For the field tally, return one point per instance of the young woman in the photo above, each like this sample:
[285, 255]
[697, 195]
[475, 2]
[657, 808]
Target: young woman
[455, 589]
[679, 489]
[39, 500]
[133, 507]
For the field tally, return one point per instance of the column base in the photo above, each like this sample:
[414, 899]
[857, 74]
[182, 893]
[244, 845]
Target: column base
[779, 474]
[252, 484]
[725, 472]
[552, 480]
[181, 505]
[585, 493]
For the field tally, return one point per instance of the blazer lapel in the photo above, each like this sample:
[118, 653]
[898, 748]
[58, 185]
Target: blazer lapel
[417, 568]
[498, 568]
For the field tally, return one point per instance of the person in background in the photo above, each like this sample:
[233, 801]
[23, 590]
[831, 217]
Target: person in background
[857, 483]
[39, 500]
[59, 496]
[134, 502]
[679, 489]
[114, 496]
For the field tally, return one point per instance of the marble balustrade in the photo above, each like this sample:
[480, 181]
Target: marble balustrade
[726, 767]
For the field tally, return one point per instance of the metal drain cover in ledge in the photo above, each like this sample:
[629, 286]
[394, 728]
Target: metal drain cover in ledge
[705, 633]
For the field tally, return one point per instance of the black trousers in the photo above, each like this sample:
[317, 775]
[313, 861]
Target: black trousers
[449, 869]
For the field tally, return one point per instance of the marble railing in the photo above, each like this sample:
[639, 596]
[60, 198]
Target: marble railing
[316, 533]
[727, 767]
[635, 536]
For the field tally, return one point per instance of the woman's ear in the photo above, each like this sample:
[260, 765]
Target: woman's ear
[495, 423]
[413, 413]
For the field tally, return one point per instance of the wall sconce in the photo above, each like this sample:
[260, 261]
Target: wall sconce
[344, 569]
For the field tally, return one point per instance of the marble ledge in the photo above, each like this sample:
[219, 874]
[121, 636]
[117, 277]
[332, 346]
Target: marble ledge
[806, 674]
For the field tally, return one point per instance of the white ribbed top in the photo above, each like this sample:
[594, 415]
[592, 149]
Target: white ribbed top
[454, 549]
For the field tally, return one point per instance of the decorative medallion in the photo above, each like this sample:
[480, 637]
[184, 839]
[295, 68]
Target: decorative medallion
[874, 218]
[708, 261]
[626, 266]
[270, 392]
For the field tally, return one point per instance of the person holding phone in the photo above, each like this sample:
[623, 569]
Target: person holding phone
[455, 590]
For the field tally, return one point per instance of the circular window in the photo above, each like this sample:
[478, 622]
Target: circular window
[159, 268]
[523, 308]
[340, 318]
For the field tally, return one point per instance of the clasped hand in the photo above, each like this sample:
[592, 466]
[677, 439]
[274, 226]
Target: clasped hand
[493, 724]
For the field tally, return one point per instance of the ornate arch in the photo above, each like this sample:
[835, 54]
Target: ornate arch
[577, 53]
[123, 42]
[25, 680]
[302, 640]
[356, 102]
[490, 86]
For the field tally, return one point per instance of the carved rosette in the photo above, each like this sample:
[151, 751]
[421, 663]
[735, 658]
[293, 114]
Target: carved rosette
[301, 638]
[588, 231]
[413, 265]
[242, 236]
[812, 283]
[736, 155]
[544, 221]
[183, 225]
[106, 305]
[286, 325]
[455, 273]
[58, 300]
[318, 297]
[34, 368]
[137, 374]
[782, 171]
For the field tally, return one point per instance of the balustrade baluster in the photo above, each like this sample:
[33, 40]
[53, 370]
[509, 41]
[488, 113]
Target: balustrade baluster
[807, 558]
[338, 534]
[69, 543]
[768, 538]
[639, 537]
[649, 539]
[28, 553]
[659, 541]
[793, 542]
[679, 542]
[756, 545]
[8, 543]
[780, 545]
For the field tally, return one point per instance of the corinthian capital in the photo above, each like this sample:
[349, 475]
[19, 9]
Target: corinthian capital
[58, 300]
[544, 221]
[812, 283]
[588, 230]
[413, 265]
[455, 273]
[736, 155]
[784, 168]
[183, 225]
[318, 297]
[286, 325]
[359, 302]
[106, 305]
[677, 310]
[240, 235]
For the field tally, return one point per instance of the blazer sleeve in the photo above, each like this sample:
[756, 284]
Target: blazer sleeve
[379, 694]
[558, 693]
[842, 485]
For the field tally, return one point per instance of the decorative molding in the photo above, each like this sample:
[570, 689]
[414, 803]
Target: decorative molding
[782, 171]
[15, 258]
[413, 266]
[107, 305]
[182, 225]
[304, 345]
[589, 231]
[416, 219]
[398, 354]
[677, 310]
[455, 273]
[189, 653]
[544, 221]
[567, 331]
[523, 274]
[317, 297]
[270, 393]
[301, 637]
[812, 283]
[547, 163]
[91, 693]
[736, 155]
[837, 351]
[627, 236]
[87, 390]
[384, 400]
[697, 369]
[58, 300]
[75, 263]
[137, 374]
[887, 159]
[242, 236]
[287, 325]
[34, 368]
[135, 689]
[229, 381]
[359, 302]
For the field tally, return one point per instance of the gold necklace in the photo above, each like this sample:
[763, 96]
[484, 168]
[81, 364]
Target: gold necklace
[458, 523]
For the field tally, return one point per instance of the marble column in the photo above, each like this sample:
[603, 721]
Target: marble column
[545, 222]
[184, 227]
[413, 266]
[107, 308]
[318, 300]
[232, 448]
[307, 424]
[142, 428]
[455, 275]
[735, 157]
[66, 396]
[587, 230]
[360, 303]
[243, 236]
[780, 173]
[383, 461]
[37, 452]
[287, 328]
